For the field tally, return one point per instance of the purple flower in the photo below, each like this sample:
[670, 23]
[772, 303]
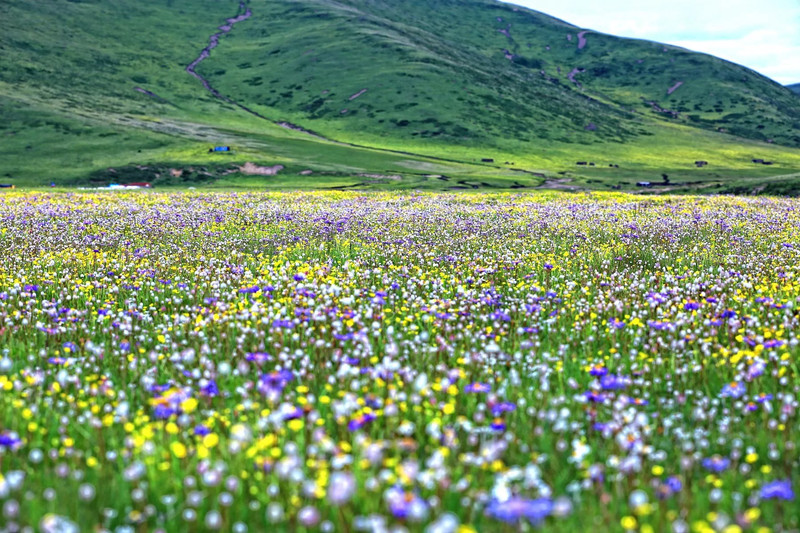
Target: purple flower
[360, 421]
[733, 390]
[670, 486]
[512, 510]
[594, 396]
[613, 382]
[691, 306]
[210, 388]
[274, 382]
[249, 290]
[404, 504]
[503, 407]
[778, 490]
[201, 431]
[755, 370]
[763, 397]
[162, 412]
[258, 357]
[598, 371]
[774, 343]
[9, 441]
[716, 463]
[674, 483]
[478, 387]
[498, 424]
[286, 324]
[616, 323]
[293, 414]
[160, 388]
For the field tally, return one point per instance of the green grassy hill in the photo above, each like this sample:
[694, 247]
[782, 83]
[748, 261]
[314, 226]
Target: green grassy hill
[397, 93]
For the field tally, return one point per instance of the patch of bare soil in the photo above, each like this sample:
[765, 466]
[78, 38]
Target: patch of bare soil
[251, 169]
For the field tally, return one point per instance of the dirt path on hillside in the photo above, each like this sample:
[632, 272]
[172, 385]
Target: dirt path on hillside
[213, 42]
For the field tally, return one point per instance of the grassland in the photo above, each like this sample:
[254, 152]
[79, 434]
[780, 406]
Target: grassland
[426, 362]
[440, 98]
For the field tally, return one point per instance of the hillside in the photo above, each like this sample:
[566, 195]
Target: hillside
[400, 88]
[794, 88]
[480, 70]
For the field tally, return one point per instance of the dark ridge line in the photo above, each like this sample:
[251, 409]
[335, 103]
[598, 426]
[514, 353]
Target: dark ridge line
[213, 42]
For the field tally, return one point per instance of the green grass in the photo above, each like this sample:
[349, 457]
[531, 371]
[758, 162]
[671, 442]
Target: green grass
[441, 97]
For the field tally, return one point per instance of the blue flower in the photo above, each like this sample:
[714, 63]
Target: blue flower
[613, 382]
[716, 463]
[516, 508]
[210, 389]
[503, 407]
[598, 371]
[616, 323]
[258, 357]
[404, 504]
[733, 390]
[163, 412]
[778, 490]
[201, 431]
[498, 425]
[478, 387]
[249, 290]
[9, 441]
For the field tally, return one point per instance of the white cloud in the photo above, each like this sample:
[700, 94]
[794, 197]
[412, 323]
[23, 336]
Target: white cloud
[761, 34]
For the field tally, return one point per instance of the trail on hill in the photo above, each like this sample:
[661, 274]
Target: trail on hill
[214, 41]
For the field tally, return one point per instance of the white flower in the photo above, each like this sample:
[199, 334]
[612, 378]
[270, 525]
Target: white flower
[579, 451]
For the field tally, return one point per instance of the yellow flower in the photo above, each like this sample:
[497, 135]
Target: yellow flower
[210, 440]
[178, 449]
[189, 405]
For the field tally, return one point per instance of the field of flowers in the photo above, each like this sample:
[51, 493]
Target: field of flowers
[397, 362]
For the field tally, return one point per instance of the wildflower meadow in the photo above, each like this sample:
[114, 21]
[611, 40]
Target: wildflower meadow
[445, 363]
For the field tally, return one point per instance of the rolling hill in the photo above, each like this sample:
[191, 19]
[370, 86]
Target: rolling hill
[794, 88]
[372, 93]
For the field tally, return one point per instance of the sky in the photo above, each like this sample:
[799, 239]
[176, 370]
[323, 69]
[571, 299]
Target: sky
[763, 35]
